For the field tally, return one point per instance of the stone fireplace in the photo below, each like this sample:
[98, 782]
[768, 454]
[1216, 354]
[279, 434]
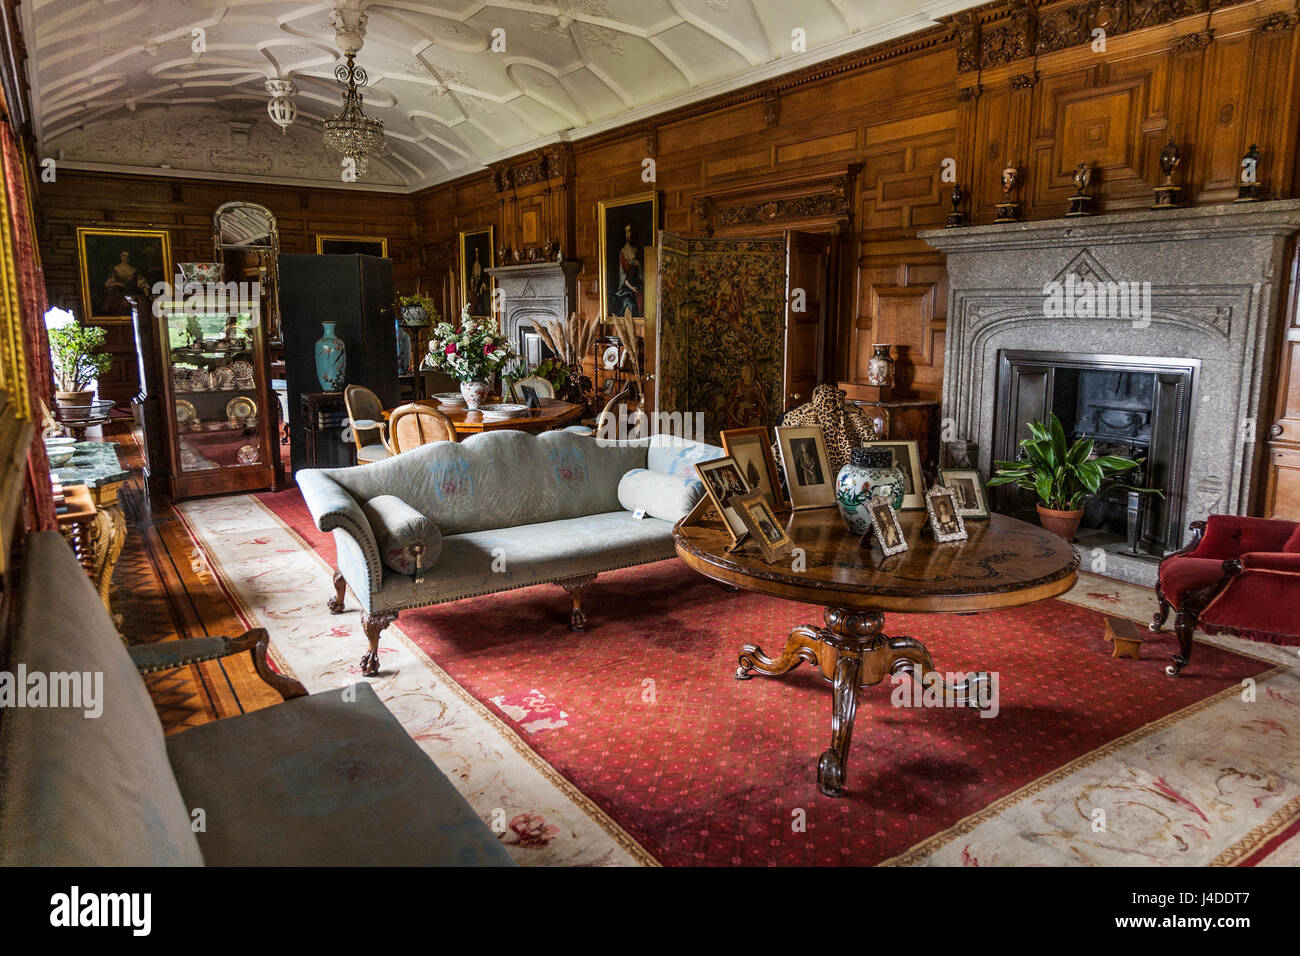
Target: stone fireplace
[1185, 299]
[534, 291]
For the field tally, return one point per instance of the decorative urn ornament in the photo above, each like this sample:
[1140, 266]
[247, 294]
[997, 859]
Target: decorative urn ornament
[1008, 209]
[1081, 199]
[870, 472]
[1167, 193]
[880, 367]
[1249, 186]
[331, 359]
[956, 217]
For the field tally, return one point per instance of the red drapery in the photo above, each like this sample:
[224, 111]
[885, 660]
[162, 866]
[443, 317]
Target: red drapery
[32, 299]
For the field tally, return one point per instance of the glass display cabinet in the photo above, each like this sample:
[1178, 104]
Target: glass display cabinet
[214, 374]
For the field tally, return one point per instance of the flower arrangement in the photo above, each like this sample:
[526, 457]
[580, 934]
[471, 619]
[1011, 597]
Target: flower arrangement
[471, 351]
[77, 361]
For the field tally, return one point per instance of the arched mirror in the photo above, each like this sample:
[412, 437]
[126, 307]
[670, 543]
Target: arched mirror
[245, 239]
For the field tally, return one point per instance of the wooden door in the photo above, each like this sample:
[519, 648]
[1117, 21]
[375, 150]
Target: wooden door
[808, 257]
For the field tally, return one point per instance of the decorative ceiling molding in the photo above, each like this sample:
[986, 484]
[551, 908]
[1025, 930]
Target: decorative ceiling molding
[146, 86]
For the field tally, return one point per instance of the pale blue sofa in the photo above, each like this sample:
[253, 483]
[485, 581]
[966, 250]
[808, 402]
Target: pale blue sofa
[500, 510]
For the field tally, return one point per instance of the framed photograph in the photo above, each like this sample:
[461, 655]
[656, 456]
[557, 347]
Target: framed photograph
[885, 525]
[476, 257]
[752, 449]
[808, 474]
[972, 500]
[945, 519]
[763, 525]
[904, 455]
[722, 480]
[117, 263]
[351, 246]
[628, 227]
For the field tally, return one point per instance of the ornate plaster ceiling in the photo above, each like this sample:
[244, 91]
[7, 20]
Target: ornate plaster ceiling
[116, 83]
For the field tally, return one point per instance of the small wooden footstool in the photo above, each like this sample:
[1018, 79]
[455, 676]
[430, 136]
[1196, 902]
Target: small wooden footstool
[1126, 637]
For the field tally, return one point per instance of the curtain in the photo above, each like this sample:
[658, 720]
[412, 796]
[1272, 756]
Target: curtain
[19, 236]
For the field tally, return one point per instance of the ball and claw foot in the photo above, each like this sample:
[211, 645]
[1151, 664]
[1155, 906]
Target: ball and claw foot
[369, 664]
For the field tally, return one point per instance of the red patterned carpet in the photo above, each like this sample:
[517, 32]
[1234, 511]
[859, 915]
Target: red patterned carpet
[642, 712]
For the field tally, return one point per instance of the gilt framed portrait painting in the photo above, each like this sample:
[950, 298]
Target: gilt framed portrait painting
[118, 265]
[628, 228]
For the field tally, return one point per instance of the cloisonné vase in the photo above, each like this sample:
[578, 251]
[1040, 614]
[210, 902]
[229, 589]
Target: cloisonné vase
[474, 393]
[868, 473]
[331, 360]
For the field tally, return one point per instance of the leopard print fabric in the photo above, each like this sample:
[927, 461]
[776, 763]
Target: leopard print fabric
[844, 426]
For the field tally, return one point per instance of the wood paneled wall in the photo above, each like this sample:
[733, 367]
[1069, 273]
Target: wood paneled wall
[184, 208]
[1005, 84]
[1015, 82]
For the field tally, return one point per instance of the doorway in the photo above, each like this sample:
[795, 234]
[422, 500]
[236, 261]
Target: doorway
[807, 306]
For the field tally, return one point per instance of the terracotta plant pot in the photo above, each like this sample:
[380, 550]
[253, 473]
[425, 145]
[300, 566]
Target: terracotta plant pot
[75, 399]
[1063, 523]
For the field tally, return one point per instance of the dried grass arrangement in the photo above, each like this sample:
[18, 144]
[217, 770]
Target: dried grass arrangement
[625, 327]
[569, 338]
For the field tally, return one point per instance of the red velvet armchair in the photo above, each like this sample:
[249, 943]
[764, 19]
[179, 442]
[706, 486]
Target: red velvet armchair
[1237, 576]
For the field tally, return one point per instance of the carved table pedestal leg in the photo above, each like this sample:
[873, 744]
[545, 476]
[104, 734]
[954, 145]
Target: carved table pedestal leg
[852, 652]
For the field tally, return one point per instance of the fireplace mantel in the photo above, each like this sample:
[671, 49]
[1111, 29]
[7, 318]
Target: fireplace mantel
[533, 291]
[1216, 275]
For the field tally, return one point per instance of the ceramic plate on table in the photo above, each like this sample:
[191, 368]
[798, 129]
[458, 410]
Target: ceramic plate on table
[503, 410]
[238, 409]
[248, 455]
[185, 413]
[450, 398]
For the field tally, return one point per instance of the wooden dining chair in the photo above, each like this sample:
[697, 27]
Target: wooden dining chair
[366, 412]
[541, 386]
[411, 426]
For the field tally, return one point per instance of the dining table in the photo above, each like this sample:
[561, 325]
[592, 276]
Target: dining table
[551, 414]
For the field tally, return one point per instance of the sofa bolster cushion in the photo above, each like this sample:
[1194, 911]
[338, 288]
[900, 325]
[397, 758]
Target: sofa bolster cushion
[669, 497]
[409, 542]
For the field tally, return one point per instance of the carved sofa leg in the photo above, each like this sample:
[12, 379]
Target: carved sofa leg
[575, 587]
[1184, 624]
[335, 604]
[373, 624]
[1162, 612]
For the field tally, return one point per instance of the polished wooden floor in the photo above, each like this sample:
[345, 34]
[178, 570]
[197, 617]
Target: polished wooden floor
[164, 591]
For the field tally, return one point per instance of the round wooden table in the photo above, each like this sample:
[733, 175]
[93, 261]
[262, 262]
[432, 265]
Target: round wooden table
[553, 414]
[1003, 563]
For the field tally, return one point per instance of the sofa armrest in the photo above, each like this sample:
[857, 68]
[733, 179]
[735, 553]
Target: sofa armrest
[167, 655]
[336, 510]
[1280, 562]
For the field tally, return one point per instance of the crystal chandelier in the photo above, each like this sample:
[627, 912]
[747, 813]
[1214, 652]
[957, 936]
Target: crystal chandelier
[281, 108]
[352, 133]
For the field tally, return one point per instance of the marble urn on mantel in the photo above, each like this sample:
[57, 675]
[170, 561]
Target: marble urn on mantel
[534, 291]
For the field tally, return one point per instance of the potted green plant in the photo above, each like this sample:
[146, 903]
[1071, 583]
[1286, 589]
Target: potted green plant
[1062, 475]
[417, 309]
[77, 362]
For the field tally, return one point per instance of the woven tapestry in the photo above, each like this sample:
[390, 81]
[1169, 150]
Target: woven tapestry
[721, 330]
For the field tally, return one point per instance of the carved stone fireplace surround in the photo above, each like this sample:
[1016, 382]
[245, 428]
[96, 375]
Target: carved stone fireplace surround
[1217, 274]
[533, 291]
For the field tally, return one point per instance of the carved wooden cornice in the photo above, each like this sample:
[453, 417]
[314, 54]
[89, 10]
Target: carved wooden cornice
[1277, 23]
[540, 166]
[1000, 34]
[817, 196]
